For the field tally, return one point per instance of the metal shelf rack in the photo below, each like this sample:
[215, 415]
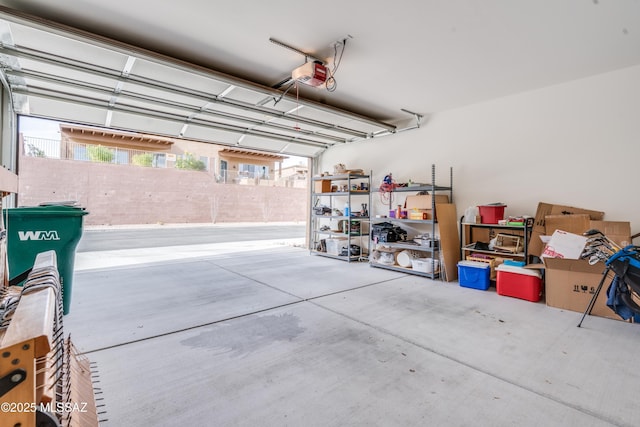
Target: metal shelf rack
[356, 189]
[431, 224]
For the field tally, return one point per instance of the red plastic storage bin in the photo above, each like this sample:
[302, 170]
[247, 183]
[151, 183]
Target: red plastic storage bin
[491, 214]
[519, 282]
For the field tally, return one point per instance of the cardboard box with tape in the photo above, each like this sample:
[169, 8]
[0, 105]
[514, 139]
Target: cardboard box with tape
[571, 283]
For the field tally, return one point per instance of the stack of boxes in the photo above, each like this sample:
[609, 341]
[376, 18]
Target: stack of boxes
[569, 282]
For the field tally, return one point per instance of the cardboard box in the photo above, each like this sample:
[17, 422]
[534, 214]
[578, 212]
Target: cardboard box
[322, 186]
[422, 203]
[618, 231]
[570, 284]
[576, 224]
[420, 214]
[544, 209]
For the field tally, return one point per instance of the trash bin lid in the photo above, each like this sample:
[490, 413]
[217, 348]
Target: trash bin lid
[56, 210]
[73, 203]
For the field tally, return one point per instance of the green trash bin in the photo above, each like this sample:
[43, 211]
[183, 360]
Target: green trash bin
[31, 230]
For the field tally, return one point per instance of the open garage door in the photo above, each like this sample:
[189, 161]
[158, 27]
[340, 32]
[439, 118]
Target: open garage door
[56, 72]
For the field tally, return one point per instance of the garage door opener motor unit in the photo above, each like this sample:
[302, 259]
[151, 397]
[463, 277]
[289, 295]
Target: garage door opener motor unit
[311, 74]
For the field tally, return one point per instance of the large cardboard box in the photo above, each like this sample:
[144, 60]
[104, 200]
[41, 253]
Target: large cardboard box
[576, 224]
[544, 209]
[423, 201]
[570, 284]
[618, 231]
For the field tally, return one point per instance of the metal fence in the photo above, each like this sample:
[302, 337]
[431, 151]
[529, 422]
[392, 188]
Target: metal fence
[55, 149]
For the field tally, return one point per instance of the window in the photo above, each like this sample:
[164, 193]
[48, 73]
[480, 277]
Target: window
[121, 157]
[159, 160]
[80, 152]
[205, 160]
[253, 171]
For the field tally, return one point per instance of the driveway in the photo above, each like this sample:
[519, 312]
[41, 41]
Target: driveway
[261, 333]
[152, 236]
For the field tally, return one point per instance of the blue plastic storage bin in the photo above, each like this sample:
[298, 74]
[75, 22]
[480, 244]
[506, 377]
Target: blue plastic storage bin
[474, 274]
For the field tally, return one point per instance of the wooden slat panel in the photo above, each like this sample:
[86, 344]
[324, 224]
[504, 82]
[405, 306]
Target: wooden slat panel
[449, 239]
[33, 320]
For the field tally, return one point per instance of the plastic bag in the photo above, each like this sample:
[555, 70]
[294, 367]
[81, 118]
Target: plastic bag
[470, 215]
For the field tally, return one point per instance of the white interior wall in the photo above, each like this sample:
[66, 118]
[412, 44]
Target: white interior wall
[576, 144]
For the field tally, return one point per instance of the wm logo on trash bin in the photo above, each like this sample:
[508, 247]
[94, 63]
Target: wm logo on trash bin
[38, 235]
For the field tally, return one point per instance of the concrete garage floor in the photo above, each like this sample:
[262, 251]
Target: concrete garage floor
[277, 337]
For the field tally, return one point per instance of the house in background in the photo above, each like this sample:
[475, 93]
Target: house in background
[134, 178]
[293, 173]
[106, 146]
[228, 165]
[238, 164]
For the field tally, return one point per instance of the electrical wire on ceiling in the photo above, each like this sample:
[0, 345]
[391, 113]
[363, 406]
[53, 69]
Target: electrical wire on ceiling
[331, 83]
[278, 99]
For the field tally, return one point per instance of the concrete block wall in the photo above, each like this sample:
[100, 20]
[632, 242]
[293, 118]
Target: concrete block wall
[123, 194]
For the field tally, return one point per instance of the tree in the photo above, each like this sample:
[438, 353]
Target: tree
[98, 153]
[143, 159]
[34, 151]
[189, 162]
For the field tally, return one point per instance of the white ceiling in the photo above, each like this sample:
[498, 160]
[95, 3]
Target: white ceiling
[423, 56]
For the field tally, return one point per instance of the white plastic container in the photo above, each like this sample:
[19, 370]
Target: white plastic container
[425, 265]
[335, 245]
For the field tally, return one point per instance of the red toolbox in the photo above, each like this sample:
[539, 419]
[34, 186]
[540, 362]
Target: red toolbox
[519, 282]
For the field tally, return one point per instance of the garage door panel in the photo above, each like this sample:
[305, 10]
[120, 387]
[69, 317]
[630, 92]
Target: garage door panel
[208, 134]
[146, 124]
[64, 111]
[52, 44]
[177, 77]
[70, 75]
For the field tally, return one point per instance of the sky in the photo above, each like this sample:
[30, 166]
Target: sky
[50, 129]
[39, 128]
